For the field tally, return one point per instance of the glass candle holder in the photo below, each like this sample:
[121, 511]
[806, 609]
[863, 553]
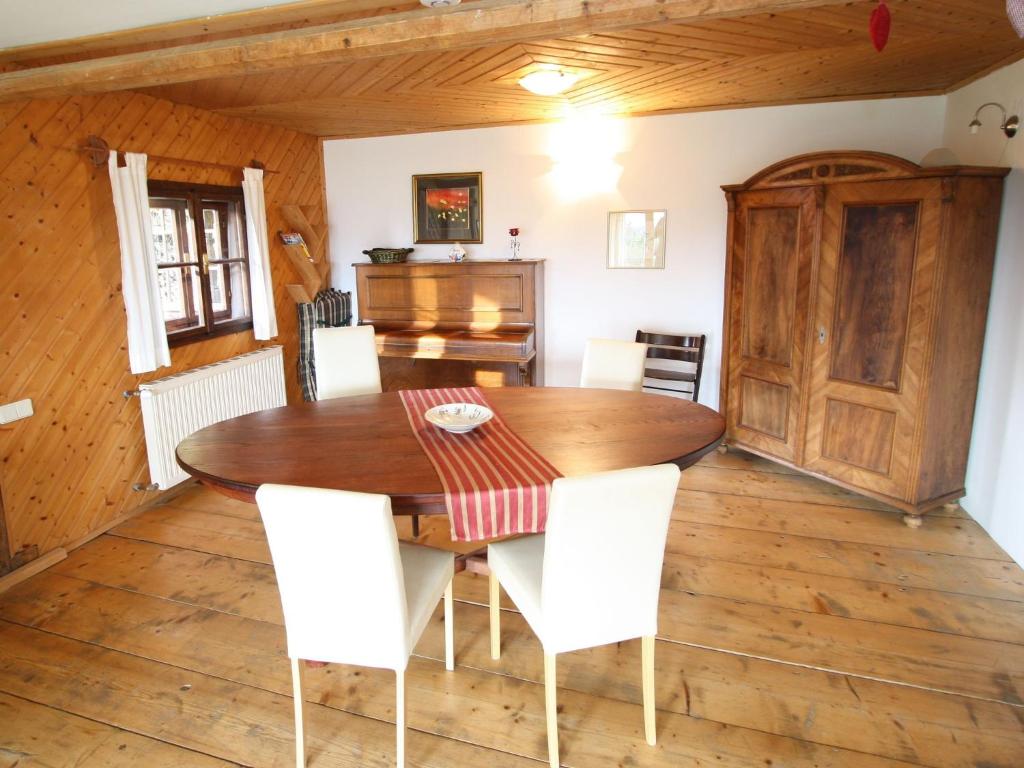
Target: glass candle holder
[513, 244]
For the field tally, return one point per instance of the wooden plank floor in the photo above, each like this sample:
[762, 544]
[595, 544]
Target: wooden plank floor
[800, 626]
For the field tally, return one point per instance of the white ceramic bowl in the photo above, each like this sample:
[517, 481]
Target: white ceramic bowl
[459, 417]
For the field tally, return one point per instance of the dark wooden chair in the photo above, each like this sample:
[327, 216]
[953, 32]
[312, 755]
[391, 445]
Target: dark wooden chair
[679, 349]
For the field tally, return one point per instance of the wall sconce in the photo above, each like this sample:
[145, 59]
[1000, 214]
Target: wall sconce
[1009, 125]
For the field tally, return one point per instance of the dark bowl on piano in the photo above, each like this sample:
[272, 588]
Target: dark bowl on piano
[388, 255]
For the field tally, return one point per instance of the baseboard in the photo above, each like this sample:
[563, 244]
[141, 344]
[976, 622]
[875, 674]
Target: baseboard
[157, 501]
[57, 554]
[30, 569]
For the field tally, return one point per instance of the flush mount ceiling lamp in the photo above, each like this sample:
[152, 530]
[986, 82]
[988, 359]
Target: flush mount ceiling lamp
[548, 82]
[1009, 125]
[439, 3]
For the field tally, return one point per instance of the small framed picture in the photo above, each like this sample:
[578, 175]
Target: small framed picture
[448, 208]
[636, 240]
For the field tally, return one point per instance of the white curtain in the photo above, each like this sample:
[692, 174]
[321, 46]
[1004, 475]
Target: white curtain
[264, 318]
[147, 336]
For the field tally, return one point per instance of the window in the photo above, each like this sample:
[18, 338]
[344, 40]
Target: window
[202, 262]
[636, 240]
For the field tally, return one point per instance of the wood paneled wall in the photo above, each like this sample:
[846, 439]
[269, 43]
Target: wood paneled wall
[68, 470]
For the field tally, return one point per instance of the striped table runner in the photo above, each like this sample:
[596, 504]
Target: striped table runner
[494, 483]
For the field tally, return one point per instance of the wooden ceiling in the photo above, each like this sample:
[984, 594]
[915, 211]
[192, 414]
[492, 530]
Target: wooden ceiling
[364, 67]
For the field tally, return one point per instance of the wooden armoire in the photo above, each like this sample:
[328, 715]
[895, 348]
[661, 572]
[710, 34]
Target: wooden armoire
[857, 290]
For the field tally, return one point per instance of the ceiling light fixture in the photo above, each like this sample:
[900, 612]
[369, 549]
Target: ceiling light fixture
[1009, 126]
[548, 82]
[439, 3]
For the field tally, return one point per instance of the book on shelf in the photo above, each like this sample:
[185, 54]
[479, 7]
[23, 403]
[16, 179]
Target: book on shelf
[294, 238]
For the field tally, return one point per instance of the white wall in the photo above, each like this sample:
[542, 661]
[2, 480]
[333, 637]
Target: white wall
[996, 464]
[557, 182]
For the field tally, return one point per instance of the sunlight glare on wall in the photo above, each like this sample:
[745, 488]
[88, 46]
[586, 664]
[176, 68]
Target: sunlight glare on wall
[584, 149]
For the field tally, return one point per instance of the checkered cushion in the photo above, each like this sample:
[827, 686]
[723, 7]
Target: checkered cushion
[1015, 11]
[329, 309]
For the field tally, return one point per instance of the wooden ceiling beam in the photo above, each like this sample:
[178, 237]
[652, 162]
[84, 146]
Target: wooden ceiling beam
[301, 13]
[484, 22]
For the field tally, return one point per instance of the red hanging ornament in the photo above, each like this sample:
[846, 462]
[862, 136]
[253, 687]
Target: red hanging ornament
[1015, 12]
[879, 26]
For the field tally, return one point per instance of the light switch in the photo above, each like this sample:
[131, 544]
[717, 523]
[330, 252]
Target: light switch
[21, 409]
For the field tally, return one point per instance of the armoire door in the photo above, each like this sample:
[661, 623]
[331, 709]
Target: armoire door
[773, 242]
[875, 286]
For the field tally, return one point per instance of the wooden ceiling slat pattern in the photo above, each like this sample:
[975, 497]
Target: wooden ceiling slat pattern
[816, 54]
[813, 54]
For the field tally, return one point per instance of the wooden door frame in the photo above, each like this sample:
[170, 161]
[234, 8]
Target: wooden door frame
[5, 542]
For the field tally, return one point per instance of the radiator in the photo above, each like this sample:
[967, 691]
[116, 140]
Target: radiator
[176, 406]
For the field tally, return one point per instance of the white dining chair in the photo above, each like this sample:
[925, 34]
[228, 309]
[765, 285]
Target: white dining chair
[351, 592]
[594, 576]
[345, 360]
[613, 364]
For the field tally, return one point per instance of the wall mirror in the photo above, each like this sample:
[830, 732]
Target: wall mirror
[636, 239]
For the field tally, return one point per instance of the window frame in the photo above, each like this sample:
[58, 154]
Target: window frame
[194, 195]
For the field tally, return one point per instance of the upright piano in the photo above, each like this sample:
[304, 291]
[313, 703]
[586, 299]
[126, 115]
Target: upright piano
[469, 323]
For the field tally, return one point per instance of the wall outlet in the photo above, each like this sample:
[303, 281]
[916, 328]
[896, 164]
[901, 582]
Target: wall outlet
[22, 409]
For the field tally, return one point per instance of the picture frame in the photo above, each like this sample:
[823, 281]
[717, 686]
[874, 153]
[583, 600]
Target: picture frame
[636, 239]
[448, 208]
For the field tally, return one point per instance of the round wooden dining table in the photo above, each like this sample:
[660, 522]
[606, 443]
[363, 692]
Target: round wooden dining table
[366, 444]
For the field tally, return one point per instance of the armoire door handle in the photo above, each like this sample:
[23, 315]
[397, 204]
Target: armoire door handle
[821, 334]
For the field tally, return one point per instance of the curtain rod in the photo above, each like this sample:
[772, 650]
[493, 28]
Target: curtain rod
[99, 151]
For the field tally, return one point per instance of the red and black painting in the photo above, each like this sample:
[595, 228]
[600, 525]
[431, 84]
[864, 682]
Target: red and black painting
[447, 208]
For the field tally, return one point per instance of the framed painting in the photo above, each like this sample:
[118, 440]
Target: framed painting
[448, 208]
[636, 239]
